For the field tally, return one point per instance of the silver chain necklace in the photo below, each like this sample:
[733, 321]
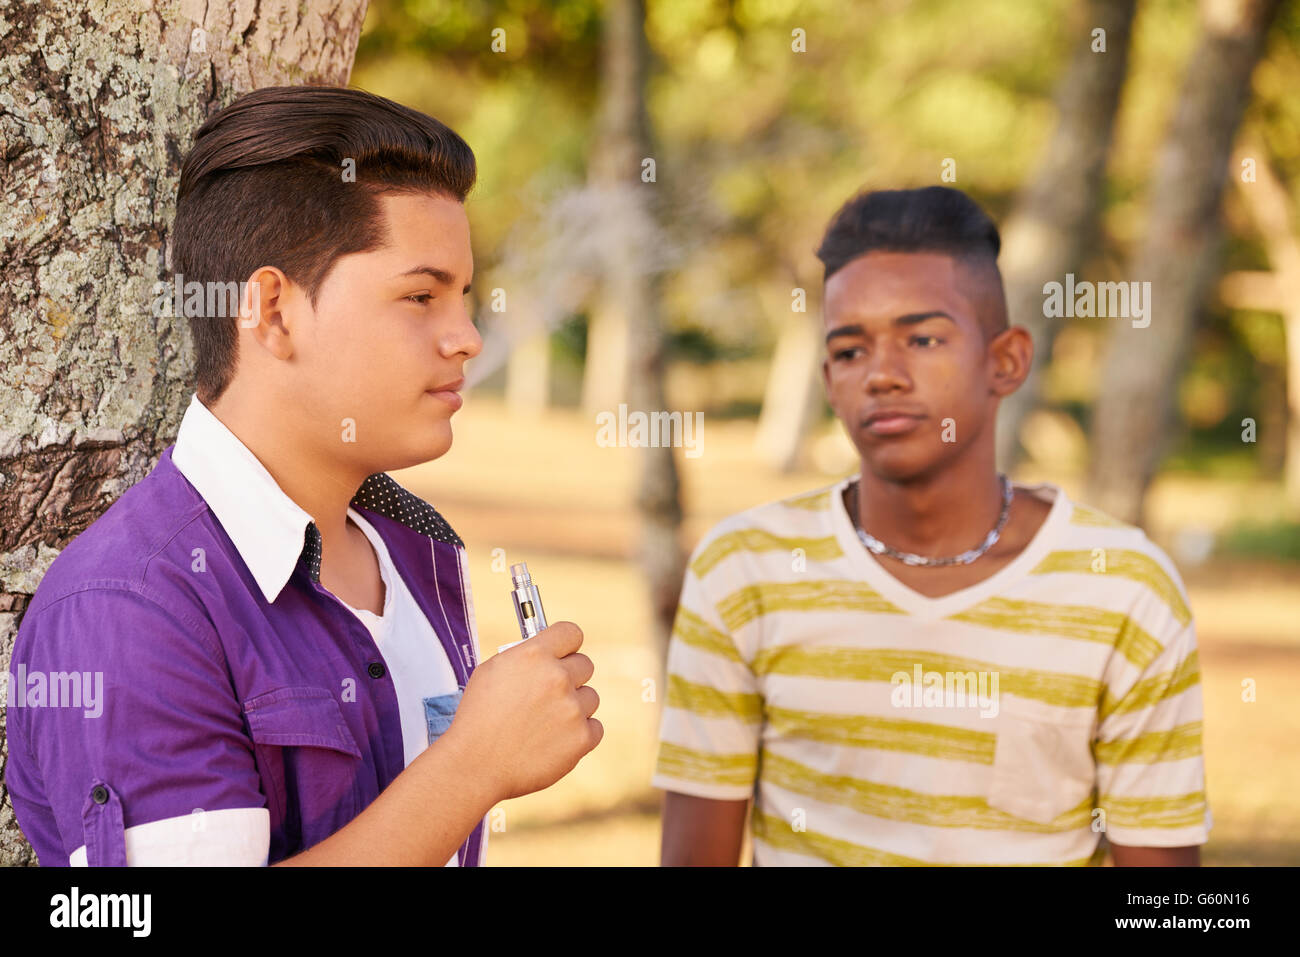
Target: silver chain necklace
[877, 547]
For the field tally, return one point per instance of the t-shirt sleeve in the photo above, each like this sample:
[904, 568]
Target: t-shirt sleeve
[1150, 769]
[133, 742]
[712, 717]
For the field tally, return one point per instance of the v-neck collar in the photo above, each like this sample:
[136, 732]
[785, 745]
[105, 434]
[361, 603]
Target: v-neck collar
[915, 603]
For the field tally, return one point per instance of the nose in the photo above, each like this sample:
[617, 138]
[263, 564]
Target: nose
[461, 337]
[886, 371]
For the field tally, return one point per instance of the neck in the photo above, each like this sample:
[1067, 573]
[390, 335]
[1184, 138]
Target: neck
[320, 484]
[938, 514]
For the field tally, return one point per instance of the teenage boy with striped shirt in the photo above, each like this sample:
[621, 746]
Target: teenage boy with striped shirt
[823, 643]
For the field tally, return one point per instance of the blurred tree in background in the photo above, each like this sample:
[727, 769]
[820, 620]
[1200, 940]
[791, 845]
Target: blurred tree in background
[1053, 225]
[1179, 256]
[768, 114]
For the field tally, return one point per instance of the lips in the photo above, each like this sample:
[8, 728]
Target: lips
[449, 393]
[892, 421]
[455, 385]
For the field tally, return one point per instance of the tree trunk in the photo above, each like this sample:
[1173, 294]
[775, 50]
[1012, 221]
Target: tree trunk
[630, 293]
[1179, 257]
[793, 393]
[528, 370]
[99, 103]
[1054, 222]
[790, 400]
[605, 368]
[1271, 209]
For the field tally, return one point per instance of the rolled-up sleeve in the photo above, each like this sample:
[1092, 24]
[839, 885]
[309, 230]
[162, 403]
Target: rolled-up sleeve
[129, 746]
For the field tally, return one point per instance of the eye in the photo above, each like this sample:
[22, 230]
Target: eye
[419, 298]
[846, 354]
[926, 341]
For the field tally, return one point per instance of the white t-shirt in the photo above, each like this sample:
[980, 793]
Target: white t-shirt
[415, 657]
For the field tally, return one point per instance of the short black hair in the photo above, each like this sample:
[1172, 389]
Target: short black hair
[264, 185]
[936, 219]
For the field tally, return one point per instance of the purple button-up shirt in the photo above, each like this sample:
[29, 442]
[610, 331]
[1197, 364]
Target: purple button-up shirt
[213, 698]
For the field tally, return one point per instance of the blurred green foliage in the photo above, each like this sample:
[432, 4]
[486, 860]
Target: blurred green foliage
[1275, 540]
[757, 145]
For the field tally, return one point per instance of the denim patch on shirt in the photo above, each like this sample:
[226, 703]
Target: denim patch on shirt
[438, 712]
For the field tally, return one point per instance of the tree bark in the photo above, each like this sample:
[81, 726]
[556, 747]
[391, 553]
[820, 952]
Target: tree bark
[630, 293]
[1179, 257]
[99, 104]
[1054, 222]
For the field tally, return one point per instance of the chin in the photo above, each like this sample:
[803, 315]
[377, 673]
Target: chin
[898, 463]
[432, 445]
[432, 450]
[439, 443]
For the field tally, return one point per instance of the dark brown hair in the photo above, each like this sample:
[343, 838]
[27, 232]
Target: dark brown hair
[265, 185]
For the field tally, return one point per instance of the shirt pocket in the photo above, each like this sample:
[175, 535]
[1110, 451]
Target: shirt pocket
[439, 711]
[308, 760]
[1043, 764]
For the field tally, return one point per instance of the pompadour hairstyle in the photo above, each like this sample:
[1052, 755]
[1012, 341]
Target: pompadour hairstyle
[265, 184]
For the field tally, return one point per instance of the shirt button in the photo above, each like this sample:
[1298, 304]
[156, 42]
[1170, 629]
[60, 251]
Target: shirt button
[376, 669]
[100, 794]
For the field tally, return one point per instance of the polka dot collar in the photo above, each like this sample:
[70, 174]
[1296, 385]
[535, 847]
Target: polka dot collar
[381, 493]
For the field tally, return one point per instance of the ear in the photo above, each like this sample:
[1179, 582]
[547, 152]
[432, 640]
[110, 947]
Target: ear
[262, 310]
[1011, 355]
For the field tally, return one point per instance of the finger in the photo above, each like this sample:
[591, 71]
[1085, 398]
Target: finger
[597, 731]
[589, 699]
[579, 667]
[560, 639]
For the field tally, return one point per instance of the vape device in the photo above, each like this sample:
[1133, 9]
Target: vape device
[528, 604]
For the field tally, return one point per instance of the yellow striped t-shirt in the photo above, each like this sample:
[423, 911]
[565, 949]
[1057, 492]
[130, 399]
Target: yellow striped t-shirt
[1015, 721]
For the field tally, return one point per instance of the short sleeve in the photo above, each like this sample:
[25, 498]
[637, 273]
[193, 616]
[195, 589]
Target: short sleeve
[130, 737]
[712, 717]
[1150, 768]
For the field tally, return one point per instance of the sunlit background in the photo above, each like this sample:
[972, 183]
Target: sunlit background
[754, 145]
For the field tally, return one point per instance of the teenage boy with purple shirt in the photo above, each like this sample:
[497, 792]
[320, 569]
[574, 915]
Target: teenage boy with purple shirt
[284, 636]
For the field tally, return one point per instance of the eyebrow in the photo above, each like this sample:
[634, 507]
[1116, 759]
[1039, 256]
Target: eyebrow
[908, 319]
[439, 275]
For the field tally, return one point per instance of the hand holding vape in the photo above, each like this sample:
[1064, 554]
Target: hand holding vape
[528, 604]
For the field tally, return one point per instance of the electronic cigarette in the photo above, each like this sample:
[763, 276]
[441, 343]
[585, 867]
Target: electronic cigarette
[528, 604]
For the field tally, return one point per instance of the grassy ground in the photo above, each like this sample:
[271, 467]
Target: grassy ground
[538, 488]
